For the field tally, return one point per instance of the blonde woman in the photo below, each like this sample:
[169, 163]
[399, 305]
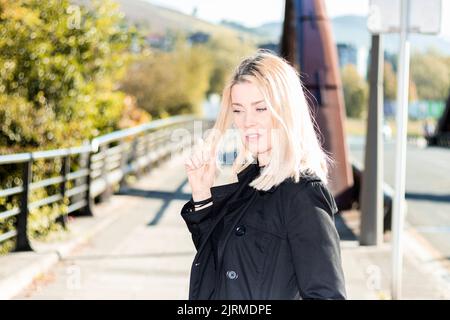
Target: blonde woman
[271, 234]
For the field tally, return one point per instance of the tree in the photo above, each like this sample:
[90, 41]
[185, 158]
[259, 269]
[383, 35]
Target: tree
[226, 52]
[59, 67]
[64, 59]
[355, 91]
[178, 81]
[431, 74]
[169, 83]
[390, 84]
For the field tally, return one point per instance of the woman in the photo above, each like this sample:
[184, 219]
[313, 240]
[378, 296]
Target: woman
[271, 234]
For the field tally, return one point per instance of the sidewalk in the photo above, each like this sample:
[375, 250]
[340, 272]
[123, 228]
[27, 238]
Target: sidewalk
[137, 247]
[368, 268]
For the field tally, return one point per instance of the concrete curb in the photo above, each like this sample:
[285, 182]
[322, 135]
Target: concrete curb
[31, 265]
[13, 283]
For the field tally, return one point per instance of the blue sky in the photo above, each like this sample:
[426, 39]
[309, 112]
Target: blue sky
[255, 12]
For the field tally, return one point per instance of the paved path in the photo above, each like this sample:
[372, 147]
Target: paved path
[144, 251]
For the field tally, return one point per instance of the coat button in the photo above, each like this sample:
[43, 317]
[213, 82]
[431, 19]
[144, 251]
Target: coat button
[232, 275]
[240, 231]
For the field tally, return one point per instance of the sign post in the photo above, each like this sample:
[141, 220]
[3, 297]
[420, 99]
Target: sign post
[404, 17]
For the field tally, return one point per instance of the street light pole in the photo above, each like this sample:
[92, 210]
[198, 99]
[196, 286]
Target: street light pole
[371, 233]
[398, 214]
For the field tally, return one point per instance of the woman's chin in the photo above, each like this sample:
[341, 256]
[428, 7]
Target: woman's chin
[255, 149]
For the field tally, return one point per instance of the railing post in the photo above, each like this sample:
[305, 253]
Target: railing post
[167, 145]
[138, 155]
[146, 151]
[134, 163]
[104, 196]
[157, 147]
[22, 242]
[87, 210]
[65, 170]
[151, 148]
[123, 164]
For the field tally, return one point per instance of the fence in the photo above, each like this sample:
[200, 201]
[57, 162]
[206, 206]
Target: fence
[103, 165]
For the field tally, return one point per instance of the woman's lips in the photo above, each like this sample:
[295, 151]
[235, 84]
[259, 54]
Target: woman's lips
[252, 137]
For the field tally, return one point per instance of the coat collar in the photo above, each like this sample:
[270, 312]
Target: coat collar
[251, 169]
[243, 177]
[250, 172]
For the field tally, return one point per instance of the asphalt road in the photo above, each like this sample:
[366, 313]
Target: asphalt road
[427, 188]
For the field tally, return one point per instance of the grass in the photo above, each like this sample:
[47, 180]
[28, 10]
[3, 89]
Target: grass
[357, 127]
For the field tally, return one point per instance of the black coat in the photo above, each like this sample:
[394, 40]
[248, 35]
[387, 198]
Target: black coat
[278, 244]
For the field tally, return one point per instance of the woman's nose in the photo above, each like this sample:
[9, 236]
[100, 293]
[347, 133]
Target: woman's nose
[249, 119]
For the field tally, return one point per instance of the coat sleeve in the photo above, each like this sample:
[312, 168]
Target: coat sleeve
[314, 243]
[198, 222]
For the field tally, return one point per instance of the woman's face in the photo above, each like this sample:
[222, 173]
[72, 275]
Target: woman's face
[252, 117]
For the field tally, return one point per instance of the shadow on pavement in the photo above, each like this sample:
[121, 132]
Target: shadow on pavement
[166, 196]
[427, 197]
[129, 256]
[345, 233]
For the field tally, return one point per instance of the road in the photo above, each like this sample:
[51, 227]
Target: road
[427, 188]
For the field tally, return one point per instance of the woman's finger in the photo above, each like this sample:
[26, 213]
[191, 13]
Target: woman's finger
[212, 165]
[188, 163]
[213, 149]
[206, 154]
[198, 146]
[196, 161]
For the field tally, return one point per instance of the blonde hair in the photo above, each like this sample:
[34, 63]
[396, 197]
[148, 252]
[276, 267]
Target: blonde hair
[297, 150]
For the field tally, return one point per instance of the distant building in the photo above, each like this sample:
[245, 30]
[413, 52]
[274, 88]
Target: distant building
[349, 54]
[362, 62]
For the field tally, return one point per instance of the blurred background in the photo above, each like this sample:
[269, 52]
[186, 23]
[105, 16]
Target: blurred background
[99, 98]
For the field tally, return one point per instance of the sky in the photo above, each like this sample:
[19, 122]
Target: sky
[272, 10]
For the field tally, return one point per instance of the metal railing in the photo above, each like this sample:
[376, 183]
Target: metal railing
[103, 165]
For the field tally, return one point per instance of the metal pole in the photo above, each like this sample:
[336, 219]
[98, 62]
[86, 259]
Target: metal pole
[372, 213]
[398, 213]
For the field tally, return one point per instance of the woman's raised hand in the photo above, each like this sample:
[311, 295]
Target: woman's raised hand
[201, 169]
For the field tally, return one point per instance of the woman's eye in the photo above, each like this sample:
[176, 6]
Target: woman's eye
[261, 109]
[236, 111]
